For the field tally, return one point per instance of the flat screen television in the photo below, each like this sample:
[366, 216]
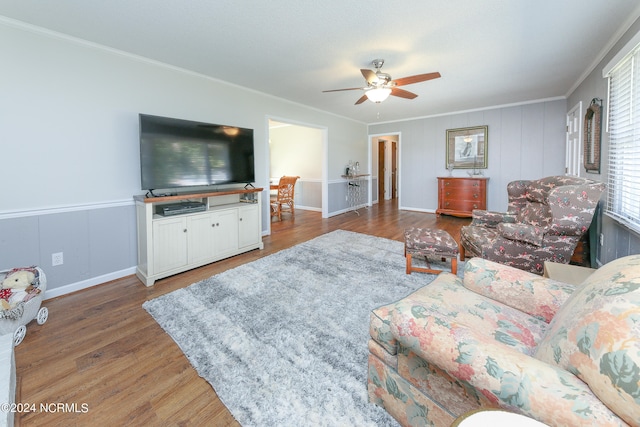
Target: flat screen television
[178, 153]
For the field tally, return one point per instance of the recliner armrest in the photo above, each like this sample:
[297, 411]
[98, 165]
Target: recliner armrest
[490, 219]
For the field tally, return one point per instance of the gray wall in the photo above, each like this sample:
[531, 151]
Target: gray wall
[524, 142]
[98, 243]
[619, 240]
[69, 123]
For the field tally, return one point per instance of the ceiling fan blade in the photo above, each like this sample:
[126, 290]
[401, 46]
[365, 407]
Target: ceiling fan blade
[339, 90]
[361, 100]
[369, 75]
[417, 78]
[402, 93]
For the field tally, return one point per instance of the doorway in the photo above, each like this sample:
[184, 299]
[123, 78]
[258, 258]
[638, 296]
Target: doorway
[384, 166]
[299, 149]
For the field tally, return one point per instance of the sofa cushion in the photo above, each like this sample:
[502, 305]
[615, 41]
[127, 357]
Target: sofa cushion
[596, 336]
[448, 299]
[538, 296]
[522, 232]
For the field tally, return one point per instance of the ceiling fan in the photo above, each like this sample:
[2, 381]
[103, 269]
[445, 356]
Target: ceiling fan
[380, 86]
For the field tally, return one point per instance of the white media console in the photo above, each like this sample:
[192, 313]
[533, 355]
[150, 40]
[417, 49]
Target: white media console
[230, 224]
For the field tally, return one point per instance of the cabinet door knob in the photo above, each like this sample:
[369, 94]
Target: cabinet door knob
[240, 219]
[184, 231]
[475, 196]
[213, 225]
[217, 224]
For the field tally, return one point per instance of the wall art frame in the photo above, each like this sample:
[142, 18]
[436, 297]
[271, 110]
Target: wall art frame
[593, 136]
[467, 148]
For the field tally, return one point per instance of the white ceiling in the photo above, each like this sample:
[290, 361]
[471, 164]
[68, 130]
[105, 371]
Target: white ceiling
[490, 53]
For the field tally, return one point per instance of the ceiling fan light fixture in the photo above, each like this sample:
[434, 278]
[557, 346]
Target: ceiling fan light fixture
[231, 131]
[378, 95]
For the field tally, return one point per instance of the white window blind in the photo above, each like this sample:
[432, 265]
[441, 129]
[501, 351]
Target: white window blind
[623, 198]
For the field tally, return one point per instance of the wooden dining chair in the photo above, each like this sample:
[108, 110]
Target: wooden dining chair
[283, 199]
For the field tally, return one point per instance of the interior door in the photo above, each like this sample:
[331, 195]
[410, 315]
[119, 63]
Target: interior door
[573, 155]
[381, 171]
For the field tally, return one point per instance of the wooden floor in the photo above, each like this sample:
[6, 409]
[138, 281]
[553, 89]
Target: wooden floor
[108, 362]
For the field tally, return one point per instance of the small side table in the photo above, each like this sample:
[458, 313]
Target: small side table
[566, 273]
[355, 190]
[495, 418]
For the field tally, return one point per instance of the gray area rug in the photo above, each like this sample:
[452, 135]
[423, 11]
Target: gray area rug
[283, 340]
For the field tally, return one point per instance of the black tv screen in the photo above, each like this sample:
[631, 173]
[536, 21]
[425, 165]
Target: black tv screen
[178, 153]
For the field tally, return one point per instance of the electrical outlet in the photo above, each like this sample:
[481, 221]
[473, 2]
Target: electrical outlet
[601, 239]
[57, 259]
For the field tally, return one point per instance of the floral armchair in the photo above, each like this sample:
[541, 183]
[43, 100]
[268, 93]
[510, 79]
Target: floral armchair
[504, 338]
[544, 222]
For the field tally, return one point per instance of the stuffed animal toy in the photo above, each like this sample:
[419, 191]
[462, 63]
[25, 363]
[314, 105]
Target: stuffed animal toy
[16, 287]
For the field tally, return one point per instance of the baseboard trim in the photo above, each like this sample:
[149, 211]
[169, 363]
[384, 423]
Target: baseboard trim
[350, 209]
[308, 208]
[409, 208]
[94, 281]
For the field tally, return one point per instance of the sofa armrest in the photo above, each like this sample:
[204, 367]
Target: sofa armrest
[535, 295]
[490, 219]
[499, 375]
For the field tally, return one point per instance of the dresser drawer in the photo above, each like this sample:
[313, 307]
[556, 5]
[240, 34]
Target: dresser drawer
[463, 193]
[461, 183]
[462, 205]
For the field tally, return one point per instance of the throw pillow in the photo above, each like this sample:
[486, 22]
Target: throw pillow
[596, 336]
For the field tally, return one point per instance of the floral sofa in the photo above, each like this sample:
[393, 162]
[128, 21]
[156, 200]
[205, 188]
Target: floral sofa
[504, 338]
[544, 221]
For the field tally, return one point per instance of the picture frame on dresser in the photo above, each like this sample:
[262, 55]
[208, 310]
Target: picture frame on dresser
[467, 148]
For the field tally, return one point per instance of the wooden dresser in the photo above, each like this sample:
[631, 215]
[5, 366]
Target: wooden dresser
[459, 196]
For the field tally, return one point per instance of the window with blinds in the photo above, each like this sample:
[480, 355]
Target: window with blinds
[623, 198]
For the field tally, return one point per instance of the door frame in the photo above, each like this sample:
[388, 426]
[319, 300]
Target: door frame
[325, 162]
[373, 144]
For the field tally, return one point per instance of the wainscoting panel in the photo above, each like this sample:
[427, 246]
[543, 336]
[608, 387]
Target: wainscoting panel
[96, 242]
[309, 194]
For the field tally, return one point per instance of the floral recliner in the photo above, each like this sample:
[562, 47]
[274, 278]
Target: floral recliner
[544, 222]
[504, 338]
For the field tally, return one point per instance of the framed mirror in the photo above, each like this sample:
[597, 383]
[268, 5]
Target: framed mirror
[467, 148]
[592, 136]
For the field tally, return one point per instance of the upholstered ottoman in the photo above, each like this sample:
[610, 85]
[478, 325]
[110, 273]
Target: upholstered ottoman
[432, 243]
